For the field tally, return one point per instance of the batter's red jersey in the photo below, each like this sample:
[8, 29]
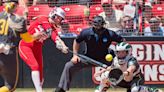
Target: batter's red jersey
[31, 52]
[42, 24]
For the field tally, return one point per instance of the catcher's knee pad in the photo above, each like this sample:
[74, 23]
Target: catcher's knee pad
[140, 89]
[135, 89]
[101, 89]
[104, 78]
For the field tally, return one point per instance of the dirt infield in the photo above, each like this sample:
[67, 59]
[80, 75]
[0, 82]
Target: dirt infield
[71, 90]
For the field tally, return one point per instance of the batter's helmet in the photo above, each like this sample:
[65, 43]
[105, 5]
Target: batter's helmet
[57, 11]
[98, 20]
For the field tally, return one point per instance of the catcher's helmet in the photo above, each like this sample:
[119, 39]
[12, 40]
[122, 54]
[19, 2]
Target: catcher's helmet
[98, 20]
[123, 46]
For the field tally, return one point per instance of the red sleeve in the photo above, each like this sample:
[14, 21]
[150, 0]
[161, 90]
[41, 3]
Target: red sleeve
[43, 21]
[54, 35]
[33, 27]
[46, 25]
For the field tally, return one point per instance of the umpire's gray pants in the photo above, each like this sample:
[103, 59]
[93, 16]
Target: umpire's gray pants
[67, 74]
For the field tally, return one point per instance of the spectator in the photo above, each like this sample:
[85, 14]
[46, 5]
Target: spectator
[154, 28]
[139, 15]
[35, 2]
[162, 25]
[127, 27]
[120, 1]
[23, 9]
[147, 13]
[28, 2]
[112, 17]
[129, 9]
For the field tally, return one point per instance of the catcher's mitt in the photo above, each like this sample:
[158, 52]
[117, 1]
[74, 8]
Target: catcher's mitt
[115, 76]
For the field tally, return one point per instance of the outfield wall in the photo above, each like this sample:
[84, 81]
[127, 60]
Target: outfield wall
[148, 50]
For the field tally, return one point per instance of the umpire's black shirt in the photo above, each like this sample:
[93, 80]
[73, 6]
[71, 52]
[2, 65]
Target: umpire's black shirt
[97, 44]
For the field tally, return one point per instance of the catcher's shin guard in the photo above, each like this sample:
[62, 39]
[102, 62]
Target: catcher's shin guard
[4, 89]
[101, 88]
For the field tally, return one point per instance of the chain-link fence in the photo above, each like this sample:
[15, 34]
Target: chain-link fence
[127, 17]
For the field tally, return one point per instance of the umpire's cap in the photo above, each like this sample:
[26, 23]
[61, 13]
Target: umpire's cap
[5, 1]
[98, 20]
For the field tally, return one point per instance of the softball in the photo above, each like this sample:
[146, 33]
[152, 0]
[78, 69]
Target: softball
[109, 57]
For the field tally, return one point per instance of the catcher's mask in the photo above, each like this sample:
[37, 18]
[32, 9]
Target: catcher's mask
[123, 52]
[98, 21]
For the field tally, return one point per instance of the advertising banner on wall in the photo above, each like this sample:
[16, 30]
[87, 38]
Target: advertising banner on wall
[151, 58]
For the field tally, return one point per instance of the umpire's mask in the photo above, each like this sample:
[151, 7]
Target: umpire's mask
[98, 22]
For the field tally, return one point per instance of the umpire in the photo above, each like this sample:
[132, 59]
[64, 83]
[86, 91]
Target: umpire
[97, 40]
[11, 26]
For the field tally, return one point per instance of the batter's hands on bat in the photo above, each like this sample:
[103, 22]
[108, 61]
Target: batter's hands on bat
[75, 59]
[40, 36]
[61, 45]
[64, 49]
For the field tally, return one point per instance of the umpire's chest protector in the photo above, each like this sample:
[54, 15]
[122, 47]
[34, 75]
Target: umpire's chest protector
[98, 41]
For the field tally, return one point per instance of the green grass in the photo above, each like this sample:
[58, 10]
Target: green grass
[71, 90]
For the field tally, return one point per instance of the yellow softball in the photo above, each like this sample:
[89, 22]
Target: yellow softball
[109, 57]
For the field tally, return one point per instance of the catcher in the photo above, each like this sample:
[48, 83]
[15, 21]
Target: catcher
[11, 25]
[124, 72]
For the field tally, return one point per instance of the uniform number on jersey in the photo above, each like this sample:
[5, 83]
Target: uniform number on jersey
[3, 27]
